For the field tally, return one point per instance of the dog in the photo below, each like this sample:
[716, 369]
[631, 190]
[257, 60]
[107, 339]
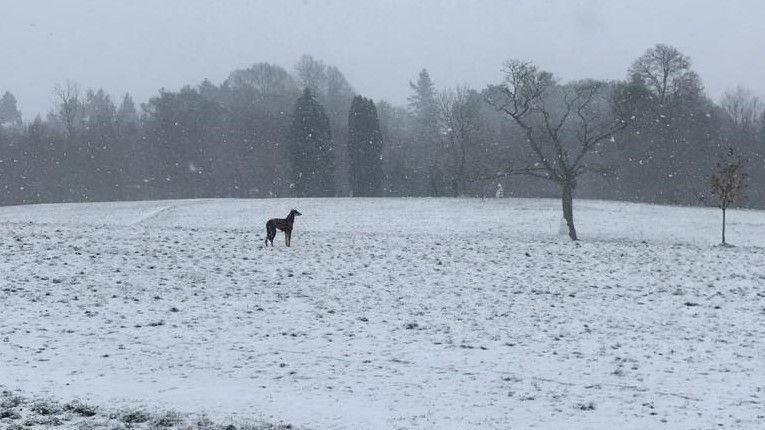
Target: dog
[283, 224]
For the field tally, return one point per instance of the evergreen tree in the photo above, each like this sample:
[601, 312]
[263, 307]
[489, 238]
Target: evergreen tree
[131, 149]
[41, 161]
[9, 112]
[401, 178]
[127, 116]
[364, 148]
[311, 149]
[183, 130]
[337, 103]
[423, 104]
[98, 155]
[424, 108]
[6, 169]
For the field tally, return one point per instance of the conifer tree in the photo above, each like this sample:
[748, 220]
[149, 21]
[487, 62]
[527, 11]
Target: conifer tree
[364, 148]
[127, 116]
[311, 149]
[9, 112]
[426, 145]
[424, 106]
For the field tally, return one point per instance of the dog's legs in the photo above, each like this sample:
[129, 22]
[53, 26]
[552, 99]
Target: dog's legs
[270, 233]
[287, 235]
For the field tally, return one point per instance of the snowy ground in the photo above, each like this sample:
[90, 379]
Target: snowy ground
[390, 313]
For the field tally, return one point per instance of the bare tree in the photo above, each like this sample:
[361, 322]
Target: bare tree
[69, 106]
[744, 108]
[563, 125]
[666, 73]
[459, 112]
[312, 73]
[729, 184]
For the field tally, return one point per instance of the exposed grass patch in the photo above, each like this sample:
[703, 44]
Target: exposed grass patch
[46, 407]
[81, 409]
[168, 420]
[135, 416]
[21, 413]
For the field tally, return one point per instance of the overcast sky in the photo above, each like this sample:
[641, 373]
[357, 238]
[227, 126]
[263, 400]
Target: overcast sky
[143, 45]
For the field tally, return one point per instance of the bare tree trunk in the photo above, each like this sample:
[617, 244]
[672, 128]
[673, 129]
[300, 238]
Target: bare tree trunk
[461, 174]
[723, 227]
[568, 209]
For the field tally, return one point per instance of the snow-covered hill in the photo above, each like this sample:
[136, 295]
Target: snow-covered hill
[390, 313]
[532, 219]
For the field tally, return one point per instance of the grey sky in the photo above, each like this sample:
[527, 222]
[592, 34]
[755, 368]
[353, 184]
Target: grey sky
[143, 45]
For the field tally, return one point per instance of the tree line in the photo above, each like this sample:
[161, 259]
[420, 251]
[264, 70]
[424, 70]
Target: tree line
[654, 136]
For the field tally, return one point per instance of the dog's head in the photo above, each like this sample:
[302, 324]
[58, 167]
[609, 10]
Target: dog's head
[295, 212]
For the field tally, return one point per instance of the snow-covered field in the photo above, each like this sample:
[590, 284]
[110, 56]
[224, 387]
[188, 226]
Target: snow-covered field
[390, 313]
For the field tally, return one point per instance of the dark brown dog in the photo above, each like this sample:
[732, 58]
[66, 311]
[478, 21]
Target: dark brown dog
[283, 224]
